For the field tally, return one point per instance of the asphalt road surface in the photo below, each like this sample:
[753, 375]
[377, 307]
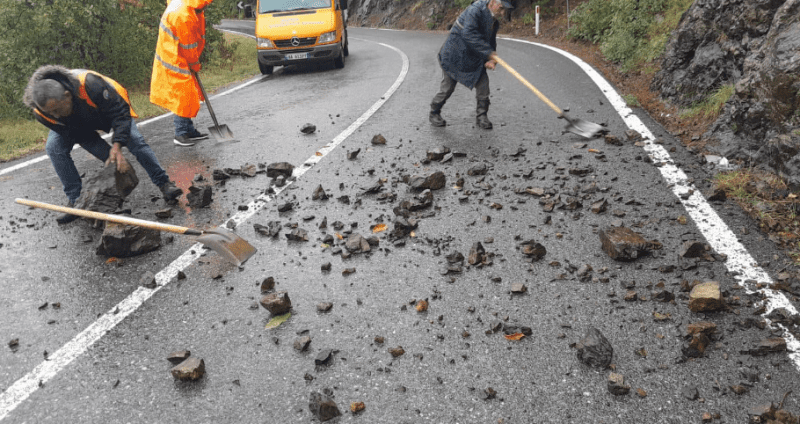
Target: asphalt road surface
[100, 356]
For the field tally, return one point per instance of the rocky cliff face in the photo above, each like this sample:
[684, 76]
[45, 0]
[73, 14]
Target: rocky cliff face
[755, 45]
[390, 13]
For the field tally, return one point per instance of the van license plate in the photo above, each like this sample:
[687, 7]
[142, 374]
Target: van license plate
[295, 56]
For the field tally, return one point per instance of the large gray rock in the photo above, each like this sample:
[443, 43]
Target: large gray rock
[106, 190]
[123, 241]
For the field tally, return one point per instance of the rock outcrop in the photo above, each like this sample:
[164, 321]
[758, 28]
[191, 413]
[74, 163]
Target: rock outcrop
[752, 45]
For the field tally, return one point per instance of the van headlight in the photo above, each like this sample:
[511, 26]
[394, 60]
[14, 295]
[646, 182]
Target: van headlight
[265, 43]
[328, 37]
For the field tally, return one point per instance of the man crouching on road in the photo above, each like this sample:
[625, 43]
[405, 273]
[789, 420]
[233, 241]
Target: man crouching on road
[466, 54]
[76, 103]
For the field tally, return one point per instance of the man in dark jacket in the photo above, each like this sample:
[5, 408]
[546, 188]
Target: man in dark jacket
[466, 54]
[75, 104]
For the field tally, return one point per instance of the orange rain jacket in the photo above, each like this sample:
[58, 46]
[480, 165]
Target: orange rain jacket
[181, 38]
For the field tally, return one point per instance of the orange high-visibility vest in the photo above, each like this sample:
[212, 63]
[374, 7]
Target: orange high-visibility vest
[81, 75]
[181, 39]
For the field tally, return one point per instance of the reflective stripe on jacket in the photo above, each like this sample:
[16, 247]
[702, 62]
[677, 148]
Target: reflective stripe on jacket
[181, 39]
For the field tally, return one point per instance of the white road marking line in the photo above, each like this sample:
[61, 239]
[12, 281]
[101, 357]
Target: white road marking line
[25, 386]
[714, 229]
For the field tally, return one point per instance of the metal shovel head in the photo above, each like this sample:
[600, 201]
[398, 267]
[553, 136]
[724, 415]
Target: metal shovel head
[230, 246]
[222, 133]
[583, 128]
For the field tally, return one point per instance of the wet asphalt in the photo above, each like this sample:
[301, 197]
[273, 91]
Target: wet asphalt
[255, 375]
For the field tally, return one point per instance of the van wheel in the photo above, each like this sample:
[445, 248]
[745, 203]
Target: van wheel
[339, 61]
[265, 69]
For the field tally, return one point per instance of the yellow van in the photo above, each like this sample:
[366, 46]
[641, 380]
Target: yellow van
[301, 31]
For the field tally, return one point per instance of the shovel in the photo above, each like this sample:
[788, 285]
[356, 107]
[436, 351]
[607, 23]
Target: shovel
[576, 126]
[230, 246]
[221, 133]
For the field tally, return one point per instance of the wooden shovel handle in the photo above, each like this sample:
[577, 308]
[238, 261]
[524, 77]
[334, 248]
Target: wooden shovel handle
[112, 218]
[529, 85]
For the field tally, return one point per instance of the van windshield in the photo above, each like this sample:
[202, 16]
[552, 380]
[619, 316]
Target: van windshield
[272, 6]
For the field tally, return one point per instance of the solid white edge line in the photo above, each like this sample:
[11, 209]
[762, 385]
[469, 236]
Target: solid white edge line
[28, 384]
[740, 264]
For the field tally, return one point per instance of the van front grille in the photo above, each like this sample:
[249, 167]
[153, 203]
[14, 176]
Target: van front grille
[307, 41]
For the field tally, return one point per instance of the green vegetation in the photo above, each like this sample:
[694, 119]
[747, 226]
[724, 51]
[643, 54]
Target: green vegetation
[232, 61]
[712, 106]
[629, 32]
[631, 100]
[462, 4]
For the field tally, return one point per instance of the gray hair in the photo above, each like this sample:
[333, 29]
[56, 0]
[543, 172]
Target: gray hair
[47, 89]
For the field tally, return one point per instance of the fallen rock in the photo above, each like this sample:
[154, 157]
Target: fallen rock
[533, 250]
[696, 347]
[322, 406]
[378, 139]
[437, 154]
[354, 154]
[616, 384]
[396, 351]
[623, 244]
[301, 343]
[478, 169]
[199, 196]
[518, 288]
[435, 181]
[319, 193]
[323, 357]
[272, 229]
[324, 306]
[767, 346]
[356, 407]
[106, 191]
[357, 244]
[594, 349]
[705, 297]
[308, 129]
[277, 303]
[124, 241]
[189, 370]
[268, 284]
[164, 213]
[692, 249]
[274, 170]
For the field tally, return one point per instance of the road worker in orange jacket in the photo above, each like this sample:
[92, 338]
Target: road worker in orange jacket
[181, 39]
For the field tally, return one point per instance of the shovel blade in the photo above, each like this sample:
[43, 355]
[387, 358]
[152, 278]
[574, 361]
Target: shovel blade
[228, 245]
[583, 128]
[222, 133]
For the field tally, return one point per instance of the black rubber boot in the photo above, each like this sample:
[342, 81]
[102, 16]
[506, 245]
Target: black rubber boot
[66, 218]
[435, 116]
[481, 119]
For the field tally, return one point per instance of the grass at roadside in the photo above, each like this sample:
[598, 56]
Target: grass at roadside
[236, 61]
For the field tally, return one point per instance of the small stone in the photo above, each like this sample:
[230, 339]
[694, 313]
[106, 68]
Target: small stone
[378, 140]
[379, 339]
[277, 303]
[323, 357]
[13, 343]
[189, 370]
[268, 284]
[301, 343]
[323, 407]
[421, 306]
[616, 384]
[518, 288]
[356, 407]
[594, 349]
[164, 213]
[354, 154]
[308, 129]
[705, 297]
[396, 351]
[324, 306]
[489, 393]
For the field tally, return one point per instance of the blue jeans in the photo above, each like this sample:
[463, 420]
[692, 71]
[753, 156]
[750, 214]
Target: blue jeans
[183, 126]
[59, 149]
